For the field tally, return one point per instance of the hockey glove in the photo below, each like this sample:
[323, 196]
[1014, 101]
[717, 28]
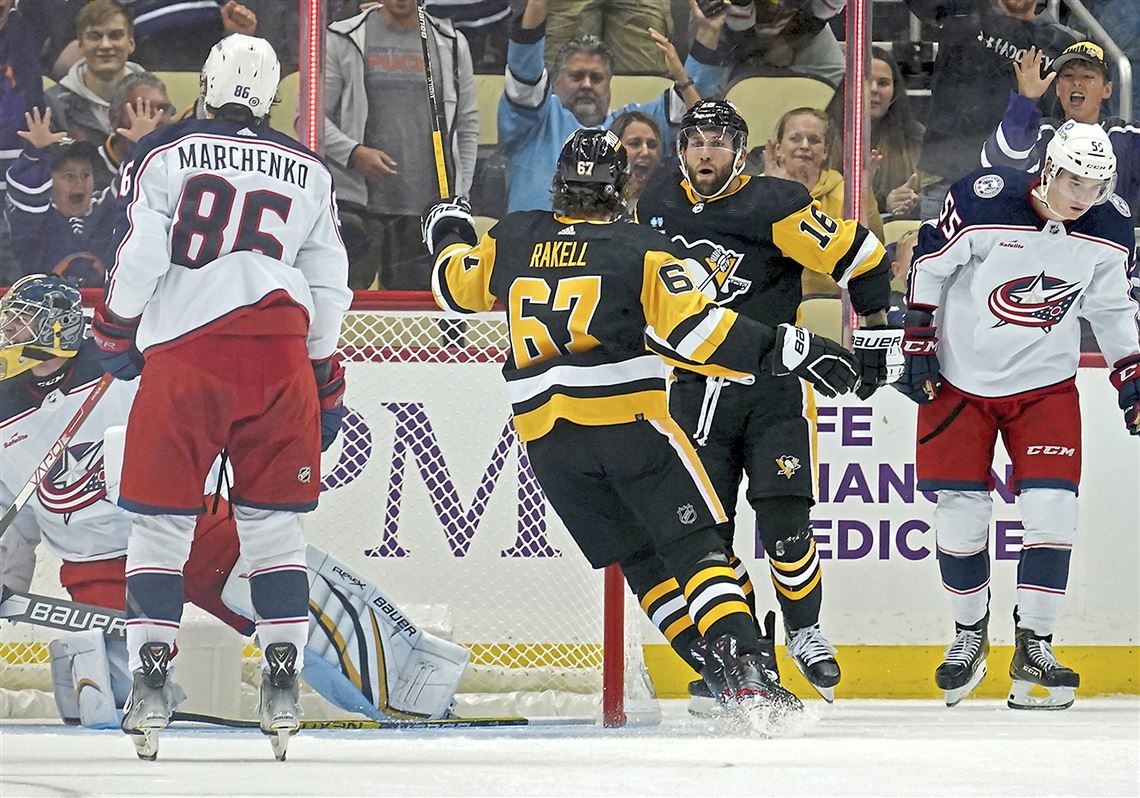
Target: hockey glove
[878, 354]
[820, 361]
[115, 338]
[920, 379]
[1126, 379]
[448, 222]
[330, 393]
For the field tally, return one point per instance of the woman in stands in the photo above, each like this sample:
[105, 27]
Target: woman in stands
[896, 138]
[800, 153]
[641, 137]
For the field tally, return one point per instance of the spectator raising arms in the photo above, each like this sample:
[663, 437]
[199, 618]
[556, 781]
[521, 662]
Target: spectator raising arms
[978, 40]
[378, 135]
[57, 224]
[82, 100]
[1080, 79]
[535, 117]
[784, 34]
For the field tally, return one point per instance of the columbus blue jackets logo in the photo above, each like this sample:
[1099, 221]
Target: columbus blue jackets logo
[1039, 301]
[717, 266]
[75, 481]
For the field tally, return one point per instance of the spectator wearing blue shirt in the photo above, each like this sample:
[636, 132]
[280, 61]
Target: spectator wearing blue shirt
[537, 114]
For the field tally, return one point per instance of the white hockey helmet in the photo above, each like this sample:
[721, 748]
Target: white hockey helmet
[243, 70]
[1085, 151]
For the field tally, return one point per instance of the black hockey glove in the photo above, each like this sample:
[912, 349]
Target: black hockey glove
[447, 222]
[822, 362]
[1126, 379]
[921, 377]
[878, 355]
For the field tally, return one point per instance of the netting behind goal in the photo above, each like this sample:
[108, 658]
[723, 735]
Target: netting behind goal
[429, 494]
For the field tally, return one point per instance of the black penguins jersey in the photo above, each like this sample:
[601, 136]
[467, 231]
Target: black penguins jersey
[581, 298]
[750, 246]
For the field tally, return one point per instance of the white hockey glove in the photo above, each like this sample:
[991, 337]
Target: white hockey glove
[822, 362]
[447, 222]
[878, 355]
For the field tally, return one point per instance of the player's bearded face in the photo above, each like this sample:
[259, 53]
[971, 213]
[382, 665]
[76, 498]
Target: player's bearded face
[710, 156]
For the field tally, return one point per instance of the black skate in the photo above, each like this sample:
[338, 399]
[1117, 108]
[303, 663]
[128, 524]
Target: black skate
[709, 694]
[815, 657]
[964, 664]
[153, 698]
[279, 708]
[754, 691]
[1035, 667]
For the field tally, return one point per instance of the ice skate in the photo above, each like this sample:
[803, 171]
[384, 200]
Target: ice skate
[279, 707]
[964, 664]
[815, 657]
[708, 694]
[153, 697]
[1034, 670]
[754, 691]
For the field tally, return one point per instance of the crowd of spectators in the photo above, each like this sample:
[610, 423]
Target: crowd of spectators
[61, 148]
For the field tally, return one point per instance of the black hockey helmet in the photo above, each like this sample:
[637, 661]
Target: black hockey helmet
[715, 114]
[41, 317]
[593, 157]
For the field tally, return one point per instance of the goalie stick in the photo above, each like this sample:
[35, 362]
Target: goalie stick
[55, 451]
[61, 614]
[444, 723]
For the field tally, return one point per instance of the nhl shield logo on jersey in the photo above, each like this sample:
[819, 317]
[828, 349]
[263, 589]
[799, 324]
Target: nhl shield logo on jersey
[988, 186]
[687, 514]
[787, 465]
[713, 268]
[1039, 301]
[75, 481]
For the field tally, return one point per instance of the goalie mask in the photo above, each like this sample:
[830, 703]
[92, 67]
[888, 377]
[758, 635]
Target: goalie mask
[1080, 167]
[712, 125]
[241, 70]
[41, 317]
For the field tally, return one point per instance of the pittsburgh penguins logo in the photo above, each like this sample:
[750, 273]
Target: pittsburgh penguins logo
[787, 465]
[1039, 301]
[76, 480]
[714, 268]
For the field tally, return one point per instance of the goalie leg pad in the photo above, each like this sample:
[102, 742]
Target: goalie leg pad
[82, 679]
[398, 669]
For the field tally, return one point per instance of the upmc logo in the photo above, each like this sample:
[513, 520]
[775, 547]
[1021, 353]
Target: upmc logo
[415, 445]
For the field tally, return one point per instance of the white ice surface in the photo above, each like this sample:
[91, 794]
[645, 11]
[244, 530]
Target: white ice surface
[852, 748]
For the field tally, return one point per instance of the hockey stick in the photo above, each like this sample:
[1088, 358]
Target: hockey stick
[444, 723]
[437, 122]
[57, 449]
[61, 614]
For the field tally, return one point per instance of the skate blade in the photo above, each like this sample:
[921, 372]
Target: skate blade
[146, 743]
[1027, 695]
[279, 741]
[826, 693]
[955, 695]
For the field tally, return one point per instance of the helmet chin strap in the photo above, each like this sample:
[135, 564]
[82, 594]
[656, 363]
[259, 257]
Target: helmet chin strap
[737, 168]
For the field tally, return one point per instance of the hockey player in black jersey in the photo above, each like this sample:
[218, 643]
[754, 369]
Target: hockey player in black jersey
[752, 237]
[582, 294]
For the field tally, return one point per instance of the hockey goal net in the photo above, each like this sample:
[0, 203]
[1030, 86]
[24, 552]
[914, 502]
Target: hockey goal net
[429, 494]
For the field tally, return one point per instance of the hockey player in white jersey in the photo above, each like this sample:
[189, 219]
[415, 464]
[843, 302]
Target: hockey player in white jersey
[992, 346]
[231, 279]
[48, 370]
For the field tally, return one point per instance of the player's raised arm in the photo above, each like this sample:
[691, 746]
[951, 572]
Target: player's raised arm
[461, 277]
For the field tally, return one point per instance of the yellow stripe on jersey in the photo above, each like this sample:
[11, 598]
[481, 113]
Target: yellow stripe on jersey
[669, 297]
[668, 586]
[672, 630]
[796, 595]
[697, 580]
[591, 412]
[719, 611]
[819, 243]
[692, 462]
[461, 279]
[788, 567]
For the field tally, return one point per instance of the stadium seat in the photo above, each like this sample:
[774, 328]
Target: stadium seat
[822, 315]
[763, 100]
[626, 89]
[893, 230]
[488, 90]
[483, 224]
